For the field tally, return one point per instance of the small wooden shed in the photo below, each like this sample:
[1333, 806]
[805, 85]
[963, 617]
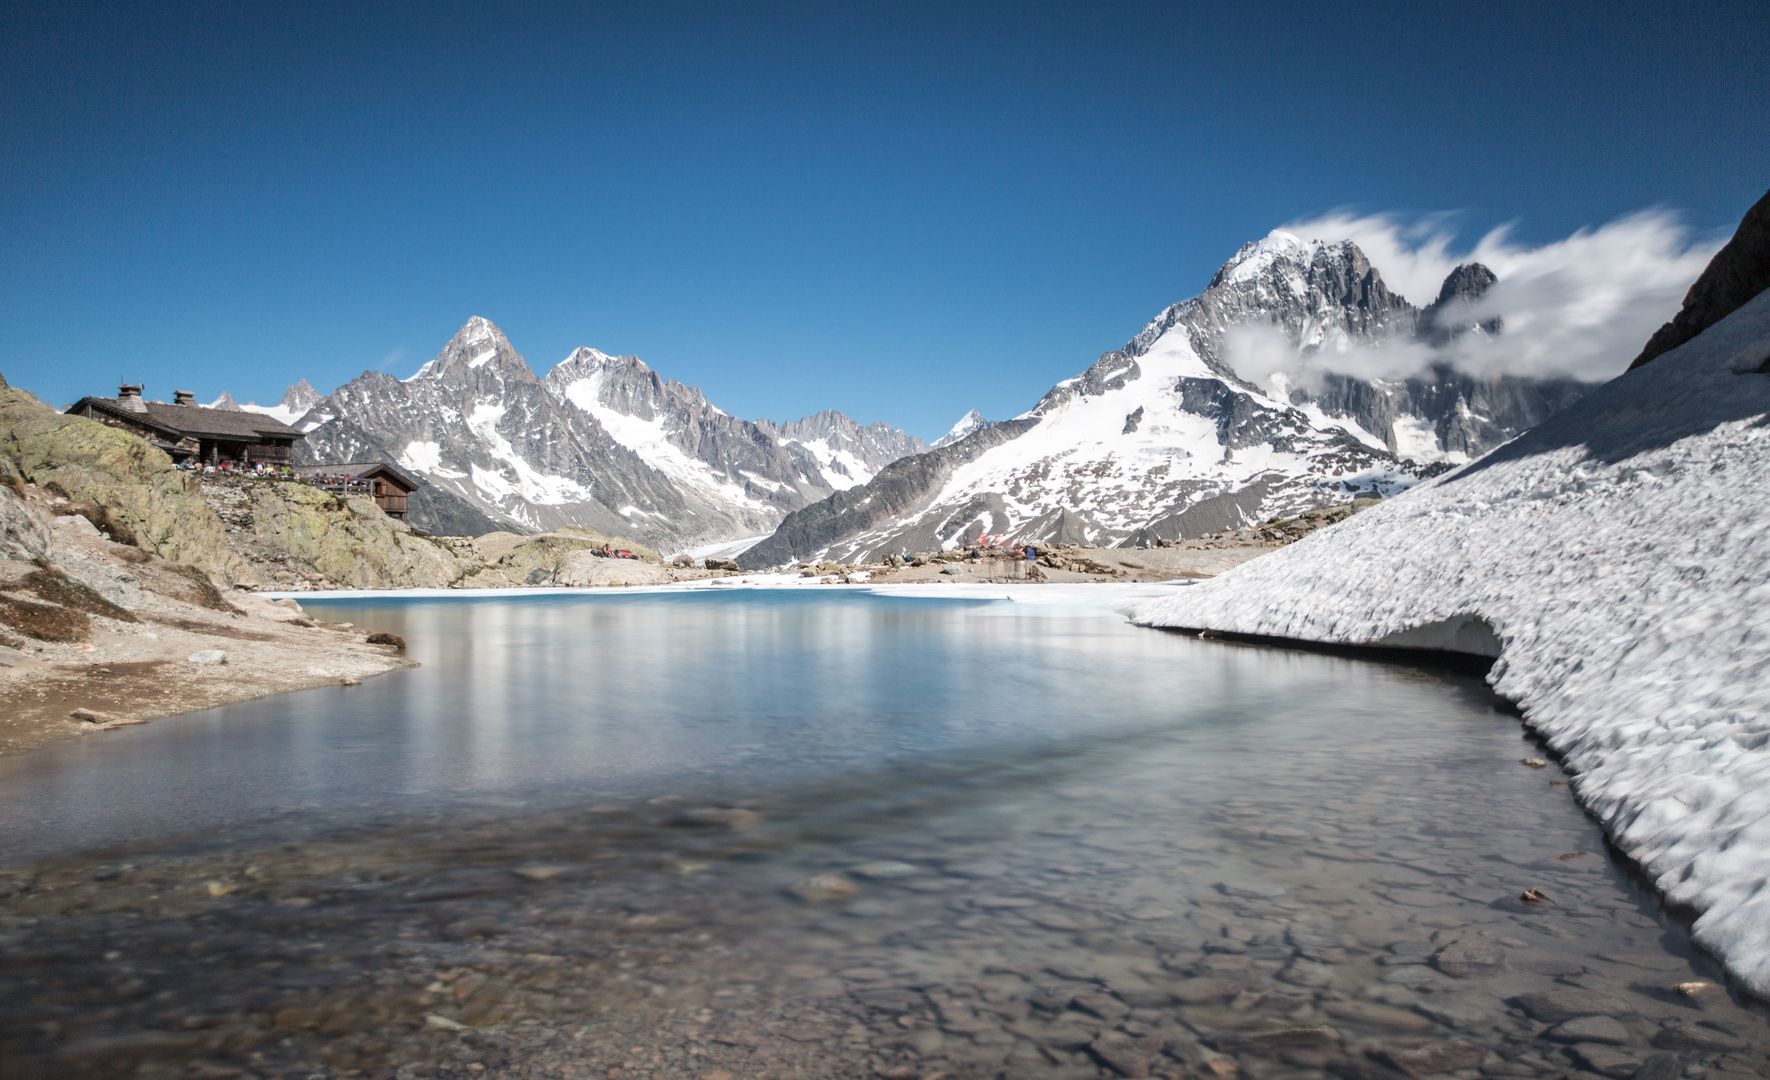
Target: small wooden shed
[387, 485]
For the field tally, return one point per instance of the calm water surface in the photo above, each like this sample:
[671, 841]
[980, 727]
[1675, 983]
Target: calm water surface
[770, 833]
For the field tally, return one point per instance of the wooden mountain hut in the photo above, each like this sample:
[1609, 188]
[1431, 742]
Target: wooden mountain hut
[187, 430]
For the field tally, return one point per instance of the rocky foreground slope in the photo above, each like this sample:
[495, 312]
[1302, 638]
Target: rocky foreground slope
[1616, 559]
[110, 612]
[1164, 439]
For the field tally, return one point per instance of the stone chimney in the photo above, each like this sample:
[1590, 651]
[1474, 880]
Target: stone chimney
[184, 397]
[129, 397]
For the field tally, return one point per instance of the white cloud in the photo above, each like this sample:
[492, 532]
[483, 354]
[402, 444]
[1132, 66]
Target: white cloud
[1258, 353]
[1579, 307]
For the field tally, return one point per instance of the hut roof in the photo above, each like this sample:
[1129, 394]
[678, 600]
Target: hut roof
[365, 469]
[196, 420]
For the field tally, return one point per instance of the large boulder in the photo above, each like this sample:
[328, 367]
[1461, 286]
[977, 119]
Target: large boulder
[24, 530]
[350, 540]
[539, 560]
[619, 543]
[583, 568]
[127, 486]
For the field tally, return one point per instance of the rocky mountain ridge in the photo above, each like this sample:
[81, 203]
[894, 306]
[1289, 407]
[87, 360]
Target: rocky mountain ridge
[1164, 439]
[602, 442]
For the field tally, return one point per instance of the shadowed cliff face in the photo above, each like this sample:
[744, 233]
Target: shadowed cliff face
[1738, 272]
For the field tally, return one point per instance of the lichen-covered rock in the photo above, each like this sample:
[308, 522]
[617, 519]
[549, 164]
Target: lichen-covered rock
[350, 541]
[535, 560]
[618, 543]
[543, 559]
[486, 577]
[584, 568]
[128, 484]
[24, 530]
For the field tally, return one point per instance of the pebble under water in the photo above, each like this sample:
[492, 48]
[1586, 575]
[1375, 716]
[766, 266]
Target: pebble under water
[837, 836]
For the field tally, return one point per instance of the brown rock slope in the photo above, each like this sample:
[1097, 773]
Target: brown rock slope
[95, 634]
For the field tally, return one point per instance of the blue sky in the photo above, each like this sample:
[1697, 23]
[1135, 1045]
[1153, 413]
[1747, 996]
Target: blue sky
[898, 210]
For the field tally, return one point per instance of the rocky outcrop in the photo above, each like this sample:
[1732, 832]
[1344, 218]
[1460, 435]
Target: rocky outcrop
[1737, 273]
[1448, 317]
[124, 485]
[350, 541]
[568, 556]
[96, 635]
[24, 529]
[441, 513]
[583, 568]
[1456, 414]
[266, 532]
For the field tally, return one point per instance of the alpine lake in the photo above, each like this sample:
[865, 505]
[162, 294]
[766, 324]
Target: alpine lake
[836, 833]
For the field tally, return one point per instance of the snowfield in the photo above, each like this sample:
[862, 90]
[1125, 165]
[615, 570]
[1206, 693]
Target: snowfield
[1620, 555]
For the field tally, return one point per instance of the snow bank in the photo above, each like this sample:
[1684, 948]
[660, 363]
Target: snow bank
[1620, 552]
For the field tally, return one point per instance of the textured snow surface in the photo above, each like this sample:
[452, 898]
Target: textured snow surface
[1255, 260]
[840, 469]
[1621, 552]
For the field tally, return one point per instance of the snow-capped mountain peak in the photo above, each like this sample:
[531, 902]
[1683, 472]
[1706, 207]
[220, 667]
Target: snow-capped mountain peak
[971, 421]
[603, 441]
[1257, 257]
[1164, 437]
[297, 401]
[477, 344]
